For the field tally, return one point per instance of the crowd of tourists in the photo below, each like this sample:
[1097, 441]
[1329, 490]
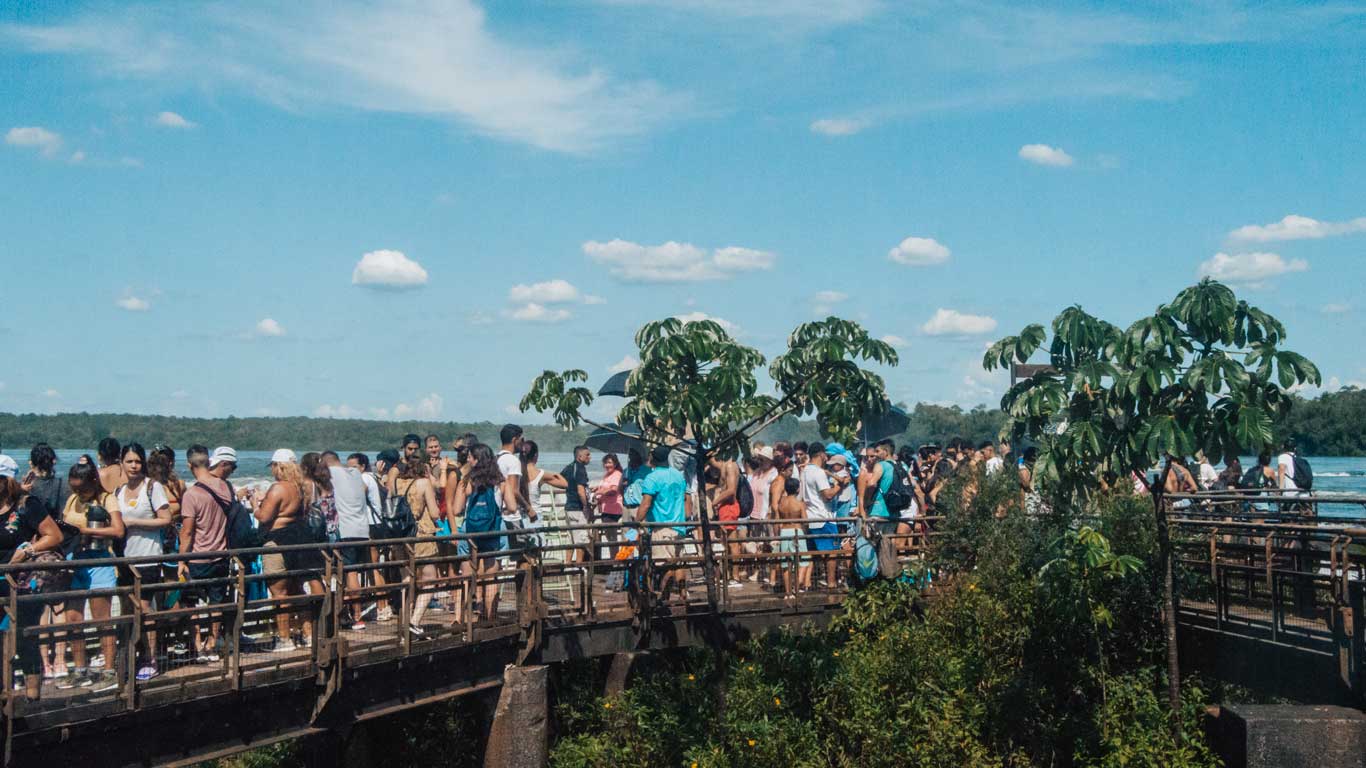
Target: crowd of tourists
[773, 509]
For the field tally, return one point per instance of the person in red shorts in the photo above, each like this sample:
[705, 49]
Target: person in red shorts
[726, 502]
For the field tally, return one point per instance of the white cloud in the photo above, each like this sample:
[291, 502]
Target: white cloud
[438, 60]
[173, 120]
[269, 327]
[77, 157]
[726, 325]
[838, 126]
[539, 313]
[895, 341]
[1248, 268]
[1042, 154]
[34, 137]
[388, 269]
[1294, 227]
[1330, 385]
[326, 411]
[624, 364]
[823, 302]
[549, 292]
[130, 162]
[674, 262]
[593, 299]
[51, 393]
[133, 304]
[1336, 309]
[428, 407]
[180, 394]
[797, 12]
[919, 252]
[951, 322]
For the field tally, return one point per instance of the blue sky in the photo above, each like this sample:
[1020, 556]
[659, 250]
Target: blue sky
[410, 208]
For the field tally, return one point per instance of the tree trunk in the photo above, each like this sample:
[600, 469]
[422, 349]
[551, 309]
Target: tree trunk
[1169, 606]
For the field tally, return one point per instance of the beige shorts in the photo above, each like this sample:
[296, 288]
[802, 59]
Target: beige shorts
[576, 517]
[668, 543]
[272, 562]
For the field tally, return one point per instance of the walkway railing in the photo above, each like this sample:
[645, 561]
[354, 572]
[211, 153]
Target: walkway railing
[371, 601]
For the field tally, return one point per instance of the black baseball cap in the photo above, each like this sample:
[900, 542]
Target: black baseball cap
[411, 438]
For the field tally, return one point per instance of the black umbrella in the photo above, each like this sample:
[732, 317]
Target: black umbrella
[611, 441]
[615, 386]
[888, 422]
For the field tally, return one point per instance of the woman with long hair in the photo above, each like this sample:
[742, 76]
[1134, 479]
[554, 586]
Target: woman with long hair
[415, 485]
[26, 531]
[147, 516]
[161, 468]
[43, 483]
[478, 495]
[98, 533]
[280, 514]
[320, 527]
[607, 496]
[111, 467]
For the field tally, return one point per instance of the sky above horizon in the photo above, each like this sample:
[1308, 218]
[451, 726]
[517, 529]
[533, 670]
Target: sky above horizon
[409, 209]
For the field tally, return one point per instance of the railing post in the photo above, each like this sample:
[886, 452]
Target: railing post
[239, 619]
[11, 646]
[130, 652]
[405, 612]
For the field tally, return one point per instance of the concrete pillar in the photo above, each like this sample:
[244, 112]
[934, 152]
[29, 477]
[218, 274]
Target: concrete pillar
[1279, 736]
[620, 671]
[519, 736]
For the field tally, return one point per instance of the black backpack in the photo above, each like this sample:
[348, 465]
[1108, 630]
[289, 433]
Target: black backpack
[241, 526]
[1253, 478]
[899, 495]
[1304, 474]
[395, 520]
[745, 495]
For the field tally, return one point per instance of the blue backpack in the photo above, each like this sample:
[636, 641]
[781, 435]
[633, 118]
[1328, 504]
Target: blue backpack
[865, 559]
[481, 512]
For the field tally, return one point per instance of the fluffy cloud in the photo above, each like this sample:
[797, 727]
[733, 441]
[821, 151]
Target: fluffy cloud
[437, 60]
[388, 269]
[838, 127]
[270, 328]
[1248, 268]
[33, 137]
[173, 120]
[800, 13]
[919, 252]
[895, 341]
[1042, 154]
[823, 303]
[726, 325]
[428, 407]
[51, 393]
[539, 313]
[326, 411]
[951, 322]
[133, 304]
[549, 292]
[674, 262]
[1295, 227]
[624, 364]
[1336, 309]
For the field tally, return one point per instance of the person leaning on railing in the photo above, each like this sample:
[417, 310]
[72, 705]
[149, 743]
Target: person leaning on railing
[28, 534]
[93, 519]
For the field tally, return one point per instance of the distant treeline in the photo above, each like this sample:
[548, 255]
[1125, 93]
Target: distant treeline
[18, 432]
[1332, 425]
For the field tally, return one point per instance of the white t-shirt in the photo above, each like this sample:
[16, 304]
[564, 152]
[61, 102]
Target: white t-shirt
[1286, 463]
[760, 485]
[1208, 475]
[995, 464]
[814, 480]
[374, 500]
[143, 542]
[349, 493]
[511, 466]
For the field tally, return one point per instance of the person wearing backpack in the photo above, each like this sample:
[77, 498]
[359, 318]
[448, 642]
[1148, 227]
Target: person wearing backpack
[1294, 476]
[204, 532]
[413, 489]
[483, 493]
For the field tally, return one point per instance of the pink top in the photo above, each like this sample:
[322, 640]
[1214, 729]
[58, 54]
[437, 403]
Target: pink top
[608, 491]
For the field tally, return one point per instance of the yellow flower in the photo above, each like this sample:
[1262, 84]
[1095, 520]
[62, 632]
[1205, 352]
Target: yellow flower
[607, 705]
[837, 653]
[751, 667]
[752, 742]
[972, 587]
[777, 702]
[692, 677]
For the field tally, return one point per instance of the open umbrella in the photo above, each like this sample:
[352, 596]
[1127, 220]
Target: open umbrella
[608, 441]
[615, 386]
[888, 422]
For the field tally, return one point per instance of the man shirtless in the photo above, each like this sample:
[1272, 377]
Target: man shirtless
[790, 507]
[726, 506]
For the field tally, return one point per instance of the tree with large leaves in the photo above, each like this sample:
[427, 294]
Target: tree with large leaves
[1203, 372]
[695, 382]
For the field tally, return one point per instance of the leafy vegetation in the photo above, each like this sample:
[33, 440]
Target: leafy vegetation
[1042, 650]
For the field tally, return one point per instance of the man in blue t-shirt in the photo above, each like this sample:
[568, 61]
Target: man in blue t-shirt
[662, 495]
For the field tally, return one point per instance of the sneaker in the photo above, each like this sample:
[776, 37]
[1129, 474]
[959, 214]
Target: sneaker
[416, 630]
[73, 680]
[346, 621]
[179, 649]
[734, 584]
[147, 672]
[104, 681]
[358, 625]
[282, 646]
[386, 615]
[98, 661]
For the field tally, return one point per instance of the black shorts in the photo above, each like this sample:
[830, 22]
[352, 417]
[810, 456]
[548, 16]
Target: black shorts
[301, 559]
[210, 593]
[151, 574]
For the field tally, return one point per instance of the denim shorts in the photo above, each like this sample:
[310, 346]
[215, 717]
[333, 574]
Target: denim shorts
[99, 577]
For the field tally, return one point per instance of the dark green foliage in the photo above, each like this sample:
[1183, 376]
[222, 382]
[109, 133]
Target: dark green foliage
[1334, 424]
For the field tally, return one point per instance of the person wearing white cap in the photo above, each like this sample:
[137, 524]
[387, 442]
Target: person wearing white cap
[8, 466]
[280, 516]
[204, 529]
[761, 472]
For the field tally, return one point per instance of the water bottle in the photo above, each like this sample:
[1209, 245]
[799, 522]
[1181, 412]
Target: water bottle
[97, 517]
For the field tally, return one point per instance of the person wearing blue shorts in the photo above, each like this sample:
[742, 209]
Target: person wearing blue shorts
[92, 518]
[818, 489]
